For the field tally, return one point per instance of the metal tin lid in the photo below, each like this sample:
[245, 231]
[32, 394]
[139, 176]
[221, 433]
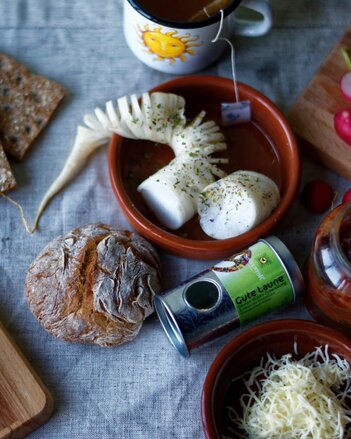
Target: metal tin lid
[170, 326]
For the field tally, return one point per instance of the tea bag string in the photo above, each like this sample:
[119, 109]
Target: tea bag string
[232, 57]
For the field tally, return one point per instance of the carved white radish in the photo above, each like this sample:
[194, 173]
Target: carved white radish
[158, 118]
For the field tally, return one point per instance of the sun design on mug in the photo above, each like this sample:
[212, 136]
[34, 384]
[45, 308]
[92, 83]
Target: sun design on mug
[167, 45]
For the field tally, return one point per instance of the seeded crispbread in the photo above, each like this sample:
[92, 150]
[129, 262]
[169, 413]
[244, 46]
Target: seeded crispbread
[27, 102]
[7, 180]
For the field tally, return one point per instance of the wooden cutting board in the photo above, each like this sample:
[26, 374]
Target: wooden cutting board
[312, 115]
[25, 403]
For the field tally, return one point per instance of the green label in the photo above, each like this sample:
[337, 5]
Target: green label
[256, 281]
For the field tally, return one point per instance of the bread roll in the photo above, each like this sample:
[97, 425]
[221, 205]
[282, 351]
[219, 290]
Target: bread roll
[94, 285]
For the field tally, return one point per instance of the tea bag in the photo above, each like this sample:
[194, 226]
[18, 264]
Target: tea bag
[239, 111]
[212, 8]
[235, 112]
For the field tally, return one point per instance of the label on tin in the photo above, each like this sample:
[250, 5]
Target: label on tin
[256, 280]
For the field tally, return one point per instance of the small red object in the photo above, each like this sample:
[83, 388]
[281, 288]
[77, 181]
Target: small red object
[317, 196]
[347, 196]
[342, 124]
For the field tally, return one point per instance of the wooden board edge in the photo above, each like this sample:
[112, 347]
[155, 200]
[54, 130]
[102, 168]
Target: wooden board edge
[20, 430]
[331, 152]
[5, 433]
[326, 60]
[309, 151]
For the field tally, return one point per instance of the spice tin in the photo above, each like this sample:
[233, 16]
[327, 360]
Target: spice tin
[262, 278]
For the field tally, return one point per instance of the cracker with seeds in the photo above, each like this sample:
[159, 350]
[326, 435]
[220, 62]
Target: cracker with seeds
[27, 102]
[7, 180]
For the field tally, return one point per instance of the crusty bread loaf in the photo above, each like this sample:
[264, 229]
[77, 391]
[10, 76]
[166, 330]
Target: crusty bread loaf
[94, 285]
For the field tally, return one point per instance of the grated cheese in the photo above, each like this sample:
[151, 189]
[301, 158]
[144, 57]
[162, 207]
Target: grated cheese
[302, 399]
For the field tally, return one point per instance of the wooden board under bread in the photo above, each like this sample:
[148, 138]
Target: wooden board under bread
[25, 403]
[312, 115]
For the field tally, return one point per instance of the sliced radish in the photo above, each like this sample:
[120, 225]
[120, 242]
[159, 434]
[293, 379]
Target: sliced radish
[342, 124]
[347, 196]
[345, 85]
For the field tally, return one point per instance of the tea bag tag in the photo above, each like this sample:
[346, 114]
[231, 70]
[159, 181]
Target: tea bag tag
[233, 113]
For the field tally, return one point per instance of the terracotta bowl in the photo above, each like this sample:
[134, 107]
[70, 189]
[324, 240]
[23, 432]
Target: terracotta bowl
[265, 145]
[245, 351]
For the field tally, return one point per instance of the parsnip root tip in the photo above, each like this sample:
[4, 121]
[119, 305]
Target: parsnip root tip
[29, 230]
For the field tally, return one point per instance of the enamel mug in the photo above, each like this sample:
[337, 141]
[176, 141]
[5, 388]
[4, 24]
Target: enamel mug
[186, 47]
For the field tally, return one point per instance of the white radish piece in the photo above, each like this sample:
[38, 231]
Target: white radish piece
[172, 192]
[196, 134]
[167, 115]
[236, 204]
[159, 118]
[153, 119]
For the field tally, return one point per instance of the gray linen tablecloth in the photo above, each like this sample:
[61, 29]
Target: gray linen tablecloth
[143, 389]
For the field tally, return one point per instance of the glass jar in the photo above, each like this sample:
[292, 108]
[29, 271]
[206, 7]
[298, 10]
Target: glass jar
[328, 270]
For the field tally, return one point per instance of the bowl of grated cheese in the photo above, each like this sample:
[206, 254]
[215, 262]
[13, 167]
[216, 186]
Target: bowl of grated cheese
[281, 379]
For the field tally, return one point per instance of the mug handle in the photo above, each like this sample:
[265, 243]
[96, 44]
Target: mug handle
[250, 28]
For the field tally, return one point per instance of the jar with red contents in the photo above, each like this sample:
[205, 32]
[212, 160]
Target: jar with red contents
[328, 270]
